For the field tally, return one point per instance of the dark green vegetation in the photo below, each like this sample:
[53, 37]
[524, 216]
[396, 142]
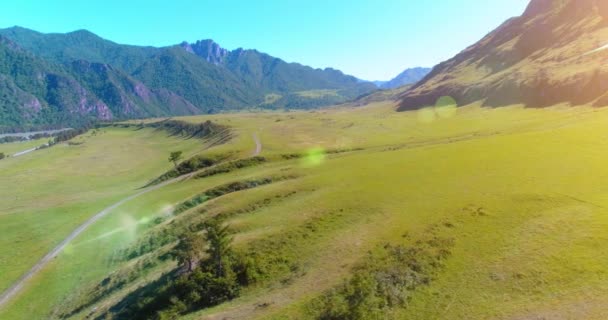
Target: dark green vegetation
[69, 134]
[231, 166]
[195, 163]
[207, 276]
[184, 129]
[384, 281]
[166, 236]
[2, 155]
[224, 189]
[174, 157]
[10, 139]
[209, 271]
[50, 80]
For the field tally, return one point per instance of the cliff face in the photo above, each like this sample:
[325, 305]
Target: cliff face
[552, 53]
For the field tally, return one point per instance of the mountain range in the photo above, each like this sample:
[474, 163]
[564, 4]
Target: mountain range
[552, 54]
[49, 80]
[407, 77]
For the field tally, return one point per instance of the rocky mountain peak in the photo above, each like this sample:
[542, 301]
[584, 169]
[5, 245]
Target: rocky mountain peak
[206, 49]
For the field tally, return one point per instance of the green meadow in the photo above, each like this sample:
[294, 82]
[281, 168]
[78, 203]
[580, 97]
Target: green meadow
[10, 149]
[514, 198]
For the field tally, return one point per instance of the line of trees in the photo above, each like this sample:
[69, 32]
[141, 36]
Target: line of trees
[206, 276]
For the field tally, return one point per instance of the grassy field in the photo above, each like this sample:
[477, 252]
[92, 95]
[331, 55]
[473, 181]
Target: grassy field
[14, 147]
[519, 192]
[47, 193]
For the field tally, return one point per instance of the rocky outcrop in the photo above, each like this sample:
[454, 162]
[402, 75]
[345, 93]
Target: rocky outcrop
[206, 49]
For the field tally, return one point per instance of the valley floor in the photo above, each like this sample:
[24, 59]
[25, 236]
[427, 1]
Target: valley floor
[516, 197]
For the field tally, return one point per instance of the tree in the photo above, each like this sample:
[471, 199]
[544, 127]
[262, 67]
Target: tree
[219, 240]
[174, 157]
[188, 252]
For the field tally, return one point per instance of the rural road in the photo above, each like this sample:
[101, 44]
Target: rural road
[258, 145]
[20, 153]
[18, 285]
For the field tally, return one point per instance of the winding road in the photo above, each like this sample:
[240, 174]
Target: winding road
[18, 285]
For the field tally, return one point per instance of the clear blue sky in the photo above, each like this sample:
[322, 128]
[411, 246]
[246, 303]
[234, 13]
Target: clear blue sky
[370, 39]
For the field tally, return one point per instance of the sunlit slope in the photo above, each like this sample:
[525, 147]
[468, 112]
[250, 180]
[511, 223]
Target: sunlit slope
[555, 52]
[47, 193]
[526, 210]
[519, 191]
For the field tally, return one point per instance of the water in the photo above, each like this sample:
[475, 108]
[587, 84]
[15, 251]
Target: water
[31, 133]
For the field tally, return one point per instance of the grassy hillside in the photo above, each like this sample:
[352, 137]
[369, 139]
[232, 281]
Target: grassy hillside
[472, 213]
[63, 185]
[553, 53]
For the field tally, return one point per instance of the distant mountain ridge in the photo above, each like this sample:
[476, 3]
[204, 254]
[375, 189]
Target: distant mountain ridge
[407, 77]
[79, 77]
[550, 54]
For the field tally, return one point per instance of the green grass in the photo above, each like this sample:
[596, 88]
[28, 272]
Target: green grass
[521, 192]
[14, 147]
[317, 93]
[45, 194]
[271, 98]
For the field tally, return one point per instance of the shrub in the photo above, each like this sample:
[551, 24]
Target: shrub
[212, 282]
[188, 166]
[385, 280]
[231, 166]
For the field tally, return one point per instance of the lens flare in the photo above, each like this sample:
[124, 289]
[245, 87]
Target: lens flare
[313, 157]
[128, 229]
[444, 108]
[426, 115]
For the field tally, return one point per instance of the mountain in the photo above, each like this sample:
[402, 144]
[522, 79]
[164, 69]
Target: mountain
[408, 76]
[79, 45]
[205, 85]
[77, 77]
[552, 53]
[264, 73]
[36, 92]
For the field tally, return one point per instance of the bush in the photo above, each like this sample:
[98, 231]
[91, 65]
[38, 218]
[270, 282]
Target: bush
[222, 190]
[231, 166]
[214, 281]
[188, 166]
[189, 130]
[9, 139]
[385, 280]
